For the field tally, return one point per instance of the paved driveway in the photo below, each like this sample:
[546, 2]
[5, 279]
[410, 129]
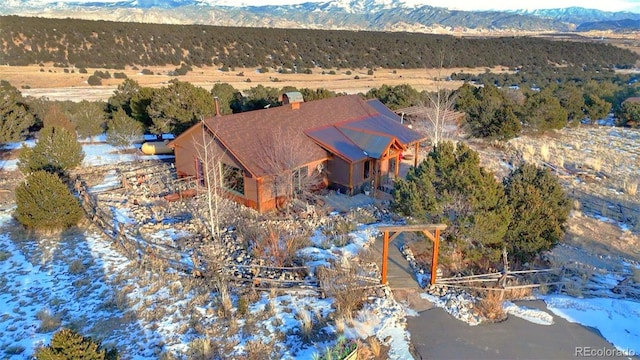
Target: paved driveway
[437, 335]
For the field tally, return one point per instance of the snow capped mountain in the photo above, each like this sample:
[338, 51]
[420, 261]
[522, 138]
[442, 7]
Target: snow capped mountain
[371, 15]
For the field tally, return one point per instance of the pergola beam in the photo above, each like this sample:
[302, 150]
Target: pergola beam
[399, 229]
[414, 227]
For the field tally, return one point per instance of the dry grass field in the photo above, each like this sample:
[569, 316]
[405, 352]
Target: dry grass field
[56, 84]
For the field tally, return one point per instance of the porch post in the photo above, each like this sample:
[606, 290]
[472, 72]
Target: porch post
[415, 156]
[397, 169]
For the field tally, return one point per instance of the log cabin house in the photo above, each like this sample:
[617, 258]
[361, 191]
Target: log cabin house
[345, 143]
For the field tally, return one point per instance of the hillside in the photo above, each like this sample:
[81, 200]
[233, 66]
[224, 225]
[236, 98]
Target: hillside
[81, 43]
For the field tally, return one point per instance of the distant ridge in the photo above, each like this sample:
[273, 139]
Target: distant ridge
[373, 15]
[618, 25]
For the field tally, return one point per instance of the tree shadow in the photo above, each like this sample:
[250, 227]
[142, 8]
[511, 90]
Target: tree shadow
[63, 280]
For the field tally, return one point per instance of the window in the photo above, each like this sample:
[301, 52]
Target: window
[199, 172]
[233, 178]
[298, 178]
[367, 169]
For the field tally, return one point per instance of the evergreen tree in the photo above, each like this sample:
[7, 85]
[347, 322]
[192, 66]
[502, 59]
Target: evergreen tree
[225, 94]
[491, 115]
[121, 98]
[540, 209]
[89, 119]
[67, 344]
[450, 186]
[572, 100]
[544, 111]
[15, 118]
[177, 107]
[44, 202]
[597, 108]
[629, 114]
[55, 117]
[56, 151]
[123, 130]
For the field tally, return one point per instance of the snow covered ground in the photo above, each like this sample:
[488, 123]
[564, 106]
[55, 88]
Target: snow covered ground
[79, 280]
[616, 319]
[96, 154]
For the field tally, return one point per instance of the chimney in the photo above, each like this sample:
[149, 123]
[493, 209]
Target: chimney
[217, 104]
[293, 99]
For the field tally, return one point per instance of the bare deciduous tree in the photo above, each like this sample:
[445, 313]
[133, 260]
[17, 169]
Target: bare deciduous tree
[282, 156]
[212, 175]
[436, 116]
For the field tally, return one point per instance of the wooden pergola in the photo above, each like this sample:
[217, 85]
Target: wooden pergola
[396, 230]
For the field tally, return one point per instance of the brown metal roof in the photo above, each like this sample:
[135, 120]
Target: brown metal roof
[243, 133]
[336, 142]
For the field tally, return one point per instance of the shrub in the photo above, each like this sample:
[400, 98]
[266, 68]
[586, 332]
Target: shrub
[345, 286]
[146, 72]
[44, 202]
[119, 75]
[56, 151]
[490, 307]
[102, 74]
[94, 80]
[67, 344]
[540, 209]
[83, 71]
[277, 246]
[340, 350]
[77, 267]
[48, 321]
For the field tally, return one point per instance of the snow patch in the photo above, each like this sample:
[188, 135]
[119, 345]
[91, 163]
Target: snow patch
[535, 316]
[616, 319]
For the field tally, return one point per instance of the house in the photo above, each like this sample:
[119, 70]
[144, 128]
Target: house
[345, 142]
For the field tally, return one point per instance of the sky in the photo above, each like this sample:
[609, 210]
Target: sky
[609, 5]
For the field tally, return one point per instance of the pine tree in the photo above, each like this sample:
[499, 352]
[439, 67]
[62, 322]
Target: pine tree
[15, 119]
[540, 209]
[44, 202]
[451, 187]
[56, 151]
[89, 119]
[67, 344]
[123, 130]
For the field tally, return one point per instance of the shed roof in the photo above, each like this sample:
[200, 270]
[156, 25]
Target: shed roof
[336, 142]
[372, 145]
[381, 124]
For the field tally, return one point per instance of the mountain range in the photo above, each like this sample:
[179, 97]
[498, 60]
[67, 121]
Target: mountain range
[371, 15]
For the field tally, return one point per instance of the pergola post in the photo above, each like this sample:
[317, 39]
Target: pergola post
[385, 256]
[398, 229]
[434, 257]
